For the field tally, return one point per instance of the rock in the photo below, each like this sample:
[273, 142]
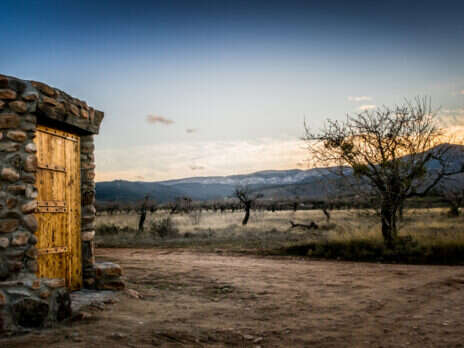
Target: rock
[107, 269]
[29, 207]
[2, 103]
[44, 294]
[18, 106]
[62, 300]
[10, 174]
[89, 235]
[30, 313]
[33, 239]
[4, 242]
[11, 202]
[55, 283]
[17, 189]
[74, 109]
[114, 285]
[9, 147]
[14, 266]
[2, 298]
[17, 135]
[20, 238]
[30, 96]
[9, 120]
[31, 148]
[8, 225]
[30, 222]
[50, 101]
[32, 266]
[31, 163]
[32, 253]
[7, 94]
[4, 271]
[42, 87]
[133, 294]
[31, 192]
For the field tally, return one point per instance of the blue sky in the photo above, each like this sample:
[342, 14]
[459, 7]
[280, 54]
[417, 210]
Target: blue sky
[232, 79]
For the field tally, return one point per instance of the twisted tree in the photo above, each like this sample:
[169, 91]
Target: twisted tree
[395, 153]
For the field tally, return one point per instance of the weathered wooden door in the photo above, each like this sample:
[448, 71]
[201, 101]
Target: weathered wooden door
[59, 206]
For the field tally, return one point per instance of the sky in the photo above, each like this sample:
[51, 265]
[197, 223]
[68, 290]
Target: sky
[200, 88]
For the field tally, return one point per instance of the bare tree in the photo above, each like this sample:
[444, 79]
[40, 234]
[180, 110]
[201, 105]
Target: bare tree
[143, 215]
[452, 192]
[247, 200]
[390, 151]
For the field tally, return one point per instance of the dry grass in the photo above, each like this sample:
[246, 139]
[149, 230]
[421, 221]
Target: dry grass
[267, 229]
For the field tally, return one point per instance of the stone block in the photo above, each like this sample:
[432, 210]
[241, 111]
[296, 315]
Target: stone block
[17, 135]
[114, 284]
[18, 106]
[45, 89]
[55, 283]
[9, 147]
[29, 207]
[2, 104]
[7, 94]
[30, 165]
[88, 236]
[30, 222]
[30, 148]
[9, 174]
[20, 238]
[8, 225]
[107, 269]
[30, 313]
[4, 242]
[9, 120]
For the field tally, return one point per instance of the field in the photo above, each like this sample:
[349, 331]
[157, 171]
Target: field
[211, 282]
[198, 299]
[433, 233]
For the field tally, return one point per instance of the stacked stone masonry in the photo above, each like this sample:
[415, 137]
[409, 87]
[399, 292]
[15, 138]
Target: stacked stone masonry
[25, 300]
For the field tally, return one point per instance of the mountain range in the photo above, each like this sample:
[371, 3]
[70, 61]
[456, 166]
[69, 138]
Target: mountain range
[281, 184]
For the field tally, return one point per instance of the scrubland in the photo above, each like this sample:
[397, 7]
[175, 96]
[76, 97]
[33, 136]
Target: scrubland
[426, 235]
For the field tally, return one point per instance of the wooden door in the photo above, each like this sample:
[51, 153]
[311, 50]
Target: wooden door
[59, 206]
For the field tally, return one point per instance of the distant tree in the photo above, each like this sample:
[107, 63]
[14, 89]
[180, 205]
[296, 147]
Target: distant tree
[247, 200]
[452, 192]
[143, 215]
[389, 150]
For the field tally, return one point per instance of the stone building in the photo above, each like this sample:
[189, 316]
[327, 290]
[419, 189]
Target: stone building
[47, 204]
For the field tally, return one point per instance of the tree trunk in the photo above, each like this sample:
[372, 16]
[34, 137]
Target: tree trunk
[247, 215]
[389, 229]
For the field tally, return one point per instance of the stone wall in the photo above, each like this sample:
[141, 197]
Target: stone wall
[26, 301]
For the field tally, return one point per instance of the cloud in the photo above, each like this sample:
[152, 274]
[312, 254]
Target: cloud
[194, 167]
[159, 119]
[164, 161]
[367, 107]
[461, 92]
[449, 118]
[359, 99]
[139, 177]
[191, 130]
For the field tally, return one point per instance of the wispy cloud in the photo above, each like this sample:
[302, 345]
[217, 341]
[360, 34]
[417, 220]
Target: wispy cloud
[194, 167]
[191, 130]
[360, 99]
[449, 118]
[367, 107]
[159, 119]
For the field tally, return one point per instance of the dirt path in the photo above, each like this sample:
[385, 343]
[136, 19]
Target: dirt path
[211, 300]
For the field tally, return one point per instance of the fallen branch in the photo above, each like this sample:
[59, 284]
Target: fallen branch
[311, 226]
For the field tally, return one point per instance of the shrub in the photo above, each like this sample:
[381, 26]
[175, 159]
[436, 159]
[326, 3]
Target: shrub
[164, 228]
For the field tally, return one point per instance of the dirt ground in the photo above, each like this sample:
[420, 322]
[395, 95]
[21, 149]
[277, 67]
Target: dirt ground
[214, 300]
